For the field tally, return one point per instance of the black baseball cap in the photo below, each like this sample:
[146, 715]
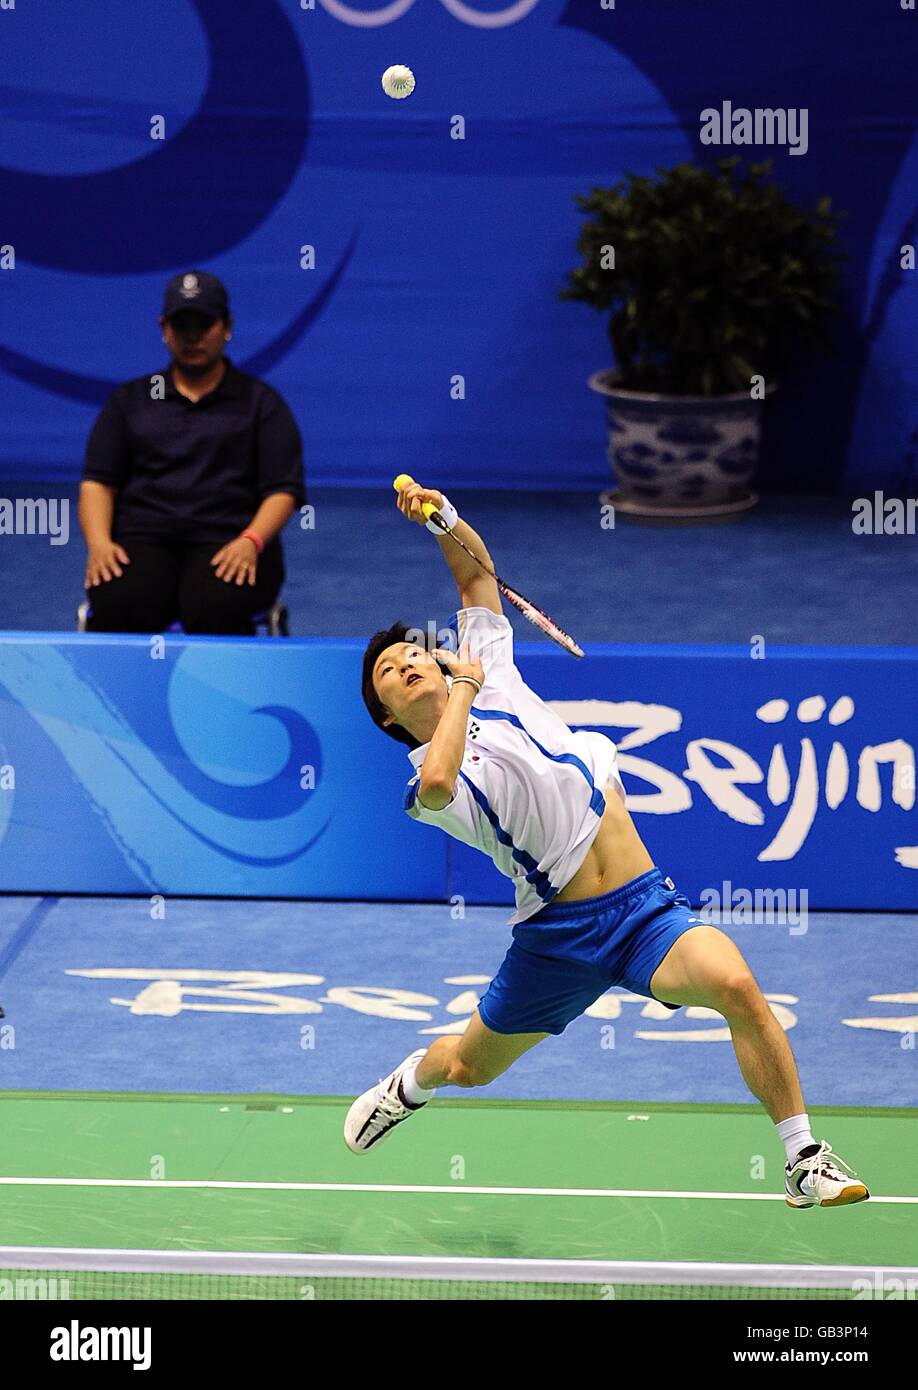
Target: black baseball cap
[196, 289]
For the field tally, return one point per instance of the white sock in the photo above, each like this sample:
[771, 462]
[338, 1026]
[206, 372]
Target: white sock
[795, 1134]
[412, 1092]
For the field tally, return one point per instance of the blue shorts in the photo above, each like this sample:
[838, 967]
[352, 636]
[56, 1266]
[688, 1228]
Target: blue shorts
[570, 953]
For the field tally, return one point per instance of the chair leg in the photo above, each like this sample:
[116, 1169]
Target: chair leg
[279, 620]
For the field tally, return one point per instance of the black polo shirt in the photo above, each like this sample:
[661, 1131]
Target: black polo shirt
[194, 470]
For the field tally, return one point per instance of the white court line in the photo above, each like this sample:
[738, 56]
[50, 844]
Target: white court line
[393, 1187]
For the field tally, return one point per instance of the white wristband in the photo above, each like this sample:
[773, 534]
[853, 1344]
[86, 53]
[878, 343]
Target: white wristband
[448, 513]
[469, 680]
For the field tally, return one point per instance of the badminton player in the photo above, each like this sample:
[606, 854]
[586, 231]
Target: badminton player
[496, 768]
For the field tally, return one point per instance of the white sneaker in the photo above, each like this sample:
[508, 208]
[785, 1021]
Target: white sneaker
[374, 1115]
[815, 1180]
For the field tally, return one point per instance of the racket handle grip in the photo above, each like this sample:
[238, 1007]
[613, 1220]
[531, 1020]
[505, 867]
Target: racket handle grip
[403, 480]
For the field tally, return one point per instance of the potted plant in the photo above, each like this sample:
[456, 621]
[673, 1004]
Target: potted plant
[709, 276]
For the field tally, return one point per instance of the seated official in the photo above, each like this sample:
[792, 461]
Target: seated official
[189, 477]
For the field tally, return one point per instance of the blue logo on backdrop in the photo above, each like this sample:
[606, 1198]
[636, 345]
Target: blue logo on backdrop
[175, 204]
[184, 759]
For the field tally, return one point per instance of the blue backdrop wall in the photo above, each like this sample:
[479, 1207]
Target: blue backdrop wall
[434, 256]
[245, 767]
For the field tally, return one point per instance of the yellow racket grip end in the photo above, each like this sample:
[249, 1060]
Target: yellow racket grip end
[403, 480]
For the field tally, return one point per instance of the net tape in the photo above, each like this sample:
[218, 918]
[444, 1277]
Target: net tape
[325, 1266]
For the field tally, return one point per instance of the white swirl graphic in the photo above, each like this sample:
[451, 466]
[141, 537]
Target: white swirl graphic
[490, 19]
[478, 19]
[367, 19]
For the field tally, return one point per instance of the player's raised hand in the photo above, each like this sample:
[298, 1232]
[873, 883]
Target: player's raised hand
[462, 665]
[411, 498]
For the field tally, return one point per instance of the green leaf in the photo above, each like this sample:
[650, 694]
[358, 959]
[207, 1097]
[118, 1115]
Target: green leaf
[715, 269]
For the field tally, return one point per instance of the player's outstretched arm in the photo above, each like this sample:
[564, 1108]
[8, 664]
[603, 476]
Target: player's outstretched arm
[476, 589]
[443, 760]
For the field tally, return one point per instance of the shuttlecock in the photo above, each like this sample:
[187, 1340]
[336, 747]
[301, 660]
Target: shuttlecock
[398, 82]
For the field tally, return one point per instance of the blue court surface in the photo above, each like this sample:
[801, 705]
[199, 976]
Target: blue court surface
[320, 998]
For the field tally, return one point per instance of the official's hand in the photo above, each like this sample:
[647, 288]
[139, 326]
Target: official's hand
[238, 560]
[411, 498]
[461, 665]
[103, 563]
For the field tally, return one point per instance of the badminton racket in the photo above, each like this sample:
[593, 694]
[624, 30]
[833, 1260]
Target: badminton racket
[526, 606]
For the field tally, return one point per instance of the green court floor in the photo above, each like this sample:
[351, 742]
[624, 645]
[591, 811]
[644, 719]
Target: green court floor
[466, 1177]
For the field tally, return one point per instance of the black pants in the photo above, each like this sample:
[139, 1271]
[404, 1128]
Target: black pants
[168, 581]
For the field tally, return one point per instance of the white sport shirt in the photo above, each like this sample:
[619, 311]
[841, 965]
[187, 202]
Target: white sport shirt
[529, 791]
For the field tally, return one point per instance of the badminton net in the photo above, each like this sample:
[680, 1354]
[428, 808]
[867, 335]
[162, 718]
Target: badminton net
[64, 1273]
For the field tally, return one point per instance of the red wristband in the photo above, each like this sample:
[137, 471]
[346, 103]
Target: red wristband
[255, 538]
